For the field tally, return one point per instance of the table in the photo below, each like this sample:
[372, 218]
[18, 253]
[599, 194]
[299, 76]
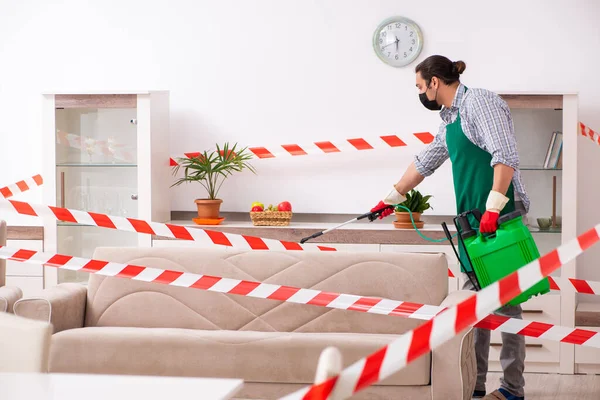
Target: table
[54, 386]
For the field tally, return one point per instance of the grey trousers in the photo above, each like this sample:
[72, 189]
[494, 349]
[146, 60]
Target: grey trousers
[512, 354]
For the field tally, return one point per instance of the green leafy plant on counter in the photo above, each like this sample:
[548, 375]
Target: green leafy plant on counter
[415, 202]
[211, 169]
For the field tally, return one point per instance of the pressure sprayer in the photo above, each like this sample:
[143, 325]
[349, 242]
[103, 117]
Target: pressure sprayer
[484, 258]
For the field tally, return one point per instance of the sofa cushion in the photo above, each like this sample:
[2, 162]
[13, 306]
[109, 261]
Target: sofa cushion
[420, 278]
[275, 357]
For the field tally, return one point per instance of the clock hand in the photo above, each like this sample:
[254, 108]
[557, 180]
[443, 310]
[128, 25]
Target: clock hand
[397, 41]
[388, 45]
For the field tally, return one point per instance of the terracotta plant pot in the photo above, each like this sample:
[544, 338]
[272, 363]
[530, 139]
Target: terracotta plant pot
[403, 220]
[208, 209]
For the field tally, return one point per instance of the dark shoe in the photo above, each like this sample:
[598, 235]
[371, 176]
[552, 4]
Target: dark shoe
[502, 394]
[478, 394]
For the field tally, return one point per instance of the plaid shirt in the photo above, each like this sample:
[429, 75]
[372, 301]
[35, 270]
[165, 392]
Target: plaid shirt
[487, 123]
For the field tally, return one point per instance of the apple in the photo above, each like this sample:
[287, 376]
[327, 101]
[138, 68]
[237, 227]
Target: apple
[259, 204]
[284, 206]
[257, 209]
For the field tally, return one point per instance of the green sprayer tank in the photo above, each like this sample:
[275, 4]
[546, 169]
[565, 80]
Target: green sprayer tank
[496, 256]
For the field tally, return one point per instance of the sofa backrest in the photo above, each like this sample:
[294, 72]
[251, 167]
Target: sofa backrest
[412, 277]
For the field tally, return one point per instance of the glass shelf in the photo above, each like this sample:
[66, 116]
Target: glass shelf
[538, 230]
[102, 165]
[537, 168]
[62, 223]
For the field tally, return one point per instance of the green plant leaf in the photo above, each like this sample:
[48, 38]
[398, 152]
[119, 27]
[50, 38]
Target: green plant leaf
[212, 169]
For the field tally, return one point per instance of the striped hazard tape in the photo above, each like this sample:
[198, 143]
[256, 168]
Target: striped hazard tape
[204, 236]
[21, 186]
[447, 324]
[327, 147]
[290, 294]
[589, 132]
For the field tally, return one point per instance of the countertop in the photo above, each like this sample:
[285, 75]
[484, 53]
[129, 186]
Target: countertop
[358, 232]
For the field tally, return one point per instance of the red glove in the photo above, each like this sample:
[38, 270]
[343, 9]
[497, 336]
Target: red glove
[385, 212]
[489, 222]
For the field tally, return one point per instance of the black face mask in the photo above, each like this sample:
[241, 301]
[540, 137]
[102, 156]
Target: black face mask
[430, 104]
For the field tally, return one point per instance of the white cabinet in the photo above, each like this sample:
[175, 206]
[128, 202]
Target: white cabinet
[107, 153]
[28, 277]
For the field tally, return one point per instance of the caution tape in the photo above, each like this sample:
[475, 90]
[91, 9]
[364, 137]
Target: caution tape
[203, 236]
[444, 326]
[290, 294]
[329, 147]
[589, 132]
[21, 186]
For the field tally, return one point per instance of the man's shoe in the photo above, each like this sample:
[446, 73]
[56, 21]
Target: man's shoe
[502, 394]
[478, 394]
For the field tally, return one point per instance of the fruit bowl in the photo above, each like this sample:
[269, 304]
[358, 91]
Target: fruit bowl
[271, 218]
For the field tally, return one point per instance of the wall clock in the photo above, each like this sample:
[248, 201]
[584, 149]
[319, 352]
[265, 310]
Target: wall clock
[398, 41]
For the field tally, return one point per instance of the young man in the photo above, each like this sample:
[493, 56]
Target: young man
[477, 135]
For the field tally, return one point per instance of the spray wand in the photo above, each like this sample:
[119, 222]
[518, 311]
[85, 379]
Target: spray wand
[372, 216]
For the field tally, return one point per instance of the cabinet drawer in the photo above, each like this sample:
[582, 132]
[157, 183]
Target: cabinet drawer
[544, 308]
[31, 286]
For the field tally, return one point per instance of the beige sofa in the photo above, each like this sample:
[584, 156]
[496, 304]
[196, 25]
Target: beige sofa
[8, 294]
[122, 326]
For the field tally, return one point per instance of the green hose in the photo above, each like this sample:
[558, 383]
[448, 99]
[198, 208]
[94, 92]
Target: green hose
[419, 232]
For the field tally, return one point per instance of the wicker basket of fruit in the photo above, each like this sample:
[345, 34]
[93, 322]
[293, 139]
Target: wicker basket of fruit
[281, 215]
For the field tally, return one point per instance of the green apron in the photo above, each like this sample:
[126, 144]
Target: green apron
[473, 176]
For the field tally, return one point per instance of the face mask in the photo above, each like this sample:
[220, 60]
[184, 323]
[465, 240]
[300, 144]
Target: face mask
[430, 104]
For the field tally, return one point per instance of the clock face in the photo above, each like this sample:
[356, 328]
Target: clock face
[398, 41]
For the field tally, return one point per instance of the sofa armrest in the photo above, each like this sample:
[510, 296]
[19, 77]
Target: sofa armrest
[453, 364]
[63, 306]
[8, 296]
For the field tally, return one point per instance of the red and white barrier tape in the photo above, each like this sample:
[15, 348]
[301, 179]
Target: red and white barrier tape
[444, 326]
[356, 144]
[289, 294]
[580, 285]
[588, 132]
[21, 186]
[108, 148]
[200, 235]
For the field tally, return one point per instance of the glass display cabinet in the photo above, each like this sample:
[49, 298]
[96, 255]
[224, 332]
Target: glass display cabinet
[106, 153]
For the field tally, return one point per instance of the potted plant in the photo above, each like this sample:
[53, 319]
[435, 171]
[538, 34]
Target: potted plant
[211, 169]
[417, 204]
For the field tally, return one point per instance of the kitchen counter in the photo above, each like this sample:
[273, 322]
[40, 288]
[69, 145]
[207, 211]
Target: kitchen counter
[359, 232]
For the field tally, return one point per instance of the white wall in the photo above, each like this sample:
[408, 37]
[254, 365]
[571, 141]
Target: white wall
[278, 71]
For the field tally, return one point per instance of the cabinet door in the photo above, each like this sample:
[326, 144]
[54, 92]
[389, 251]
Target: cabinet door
[587, 359]
[96, 157]
[453, 283]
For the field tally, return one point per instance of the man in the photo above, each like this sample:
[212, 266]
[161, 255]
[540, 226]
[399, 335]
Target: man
[477, 135]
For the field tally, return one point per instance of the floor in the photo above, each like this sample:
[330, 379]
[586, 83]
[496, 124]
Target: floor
[554, 387]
